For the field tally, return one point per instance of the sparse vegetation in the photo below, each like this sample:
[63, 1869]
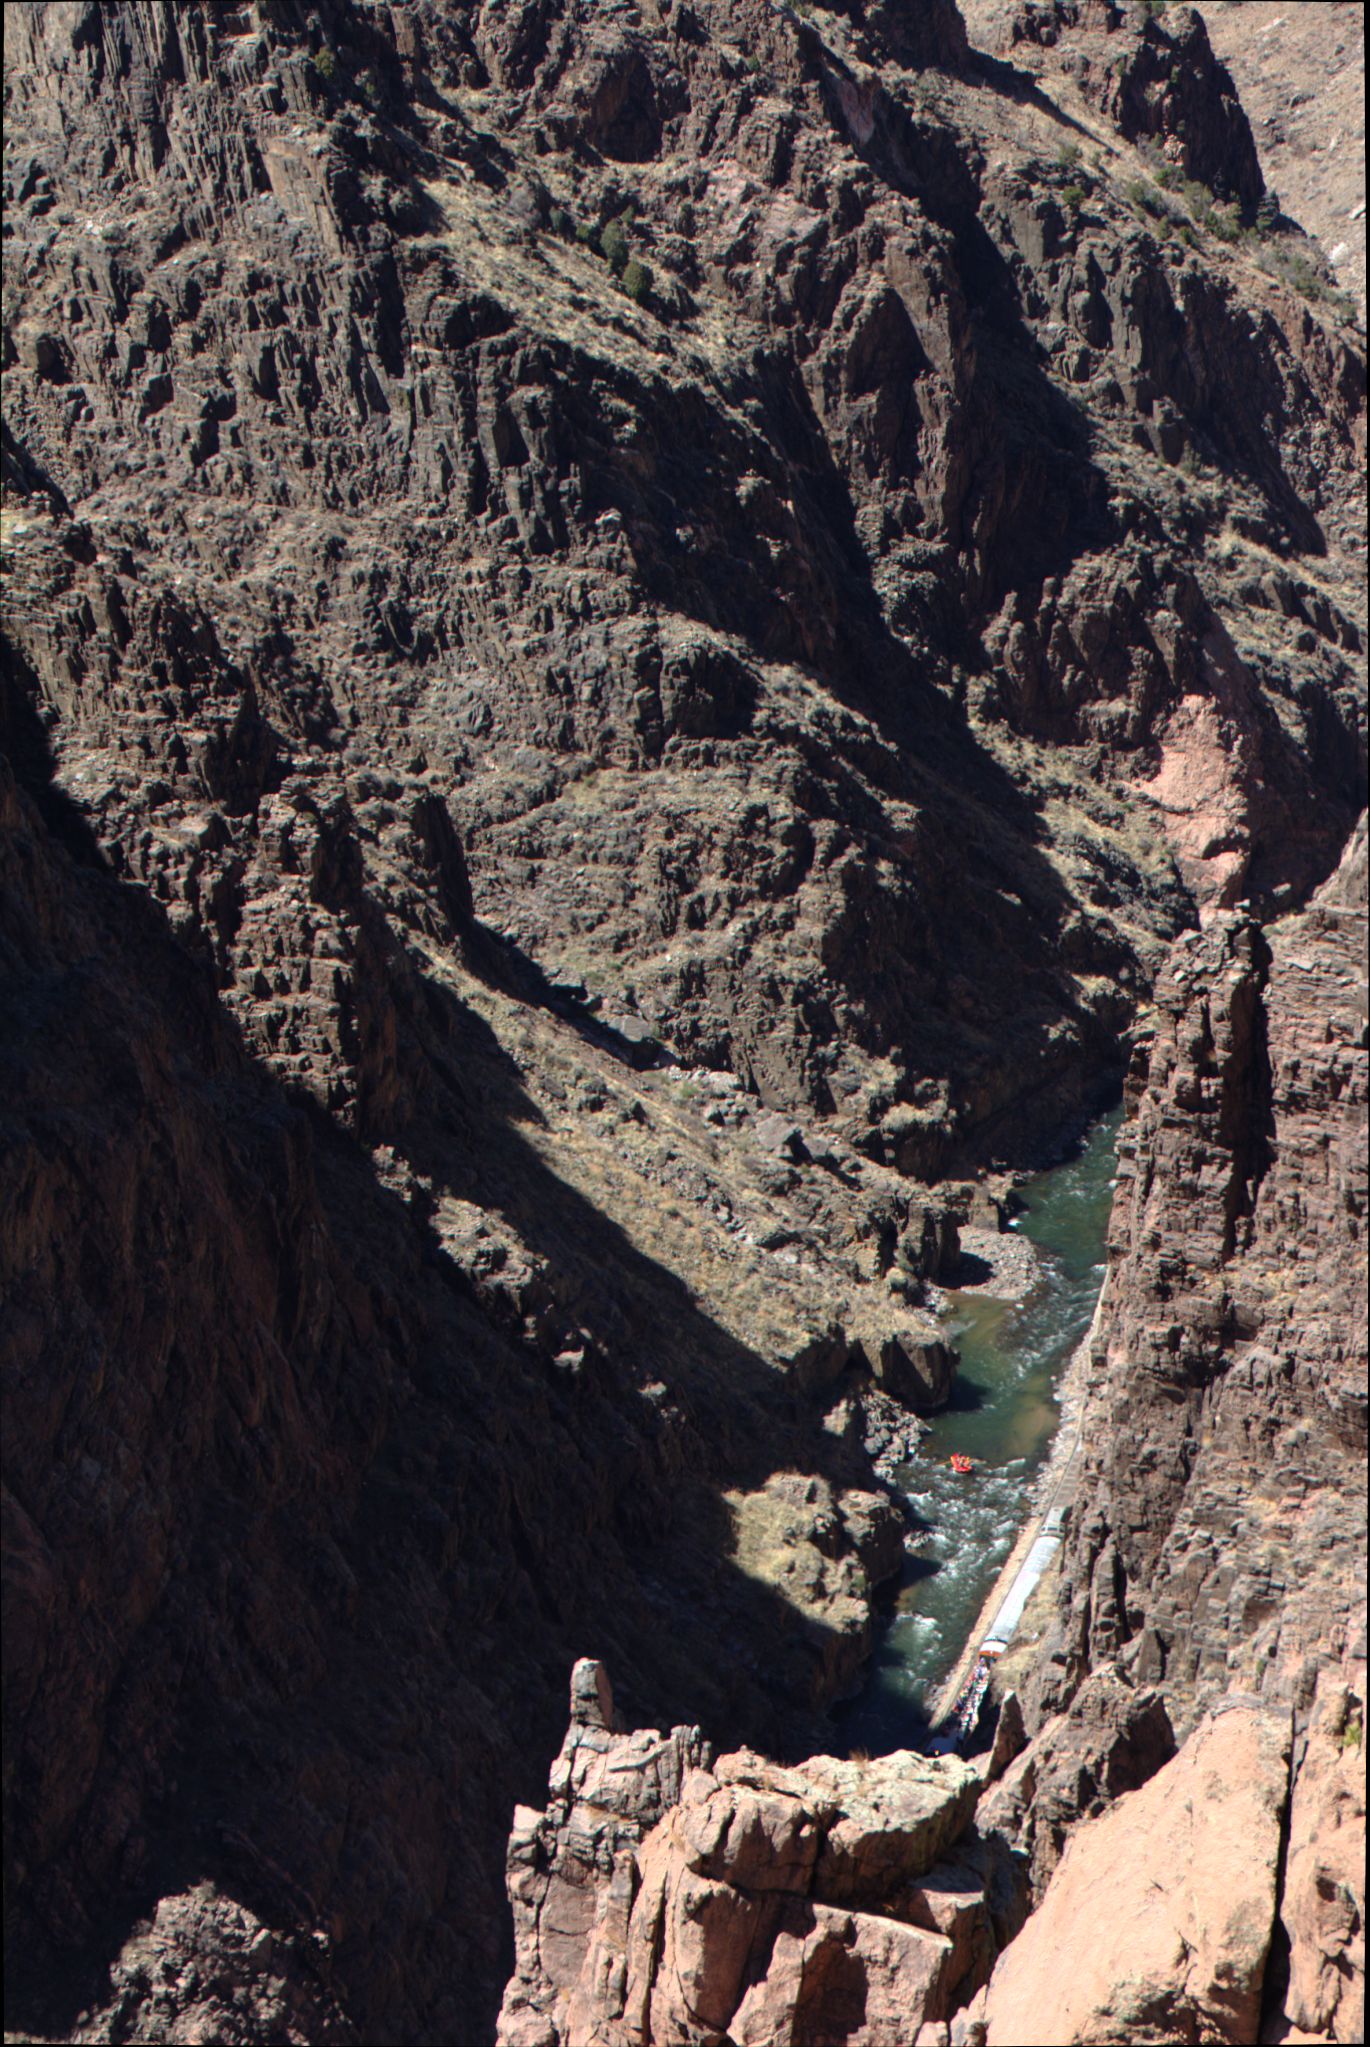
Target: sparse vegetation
[1073, 198]
[1068, 155]
[1297, 267]
[613, 245]
[637, 280]
[1149, 200]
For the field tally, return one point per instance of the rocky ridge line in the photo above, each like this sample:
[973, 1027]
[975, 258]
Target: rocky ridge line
[445, 691]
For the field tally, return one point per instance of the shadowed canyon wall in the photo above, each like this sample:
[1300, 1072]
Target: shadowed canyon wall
[628, 635]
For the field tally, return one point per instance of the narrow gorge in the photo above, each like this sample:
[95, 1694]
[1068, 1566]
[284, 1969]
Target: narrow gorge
[651, 650]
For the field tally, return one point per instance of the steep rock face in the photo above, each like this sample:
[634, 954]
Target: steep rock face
[317, 1472]
[470, 688]
[1216, 1548]
[1158, 1922]
[1220, 1521]
[666, 1897]
[687, 594]
[1157, 79]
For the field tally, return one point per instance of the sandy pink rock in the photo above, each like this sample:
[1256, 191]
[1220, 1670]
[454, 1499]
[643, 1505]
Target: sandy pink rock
[1323, 1903]
[1157, 1924]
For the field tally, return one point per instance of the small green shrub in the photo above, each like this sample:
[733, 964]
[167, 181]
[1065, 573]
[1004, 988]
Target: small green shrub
[613, 246]
[1166, 176]
[1268, 213]
[587, 235]
[1073, 198]
[1304, 278]
[1150, 201]
[1068, 155]
[637, 280]
[1352, 1734]
[1223, 224]
[326, 63]
[561, 223]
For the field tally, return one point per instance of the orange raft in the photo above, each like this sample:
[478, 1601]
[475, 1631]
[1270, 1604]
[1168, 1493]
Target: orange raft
[960, 1463]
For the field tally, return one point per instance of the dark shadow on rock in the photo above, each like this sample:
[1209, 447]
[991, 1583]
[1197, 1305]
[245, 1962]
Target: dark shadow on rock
[968, 1271]
[24, 742]
[373, 1506]
[502, 962]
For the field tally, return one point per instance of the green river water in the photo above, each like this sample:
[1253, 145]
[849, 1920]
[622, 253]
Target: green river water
[1003, 1413]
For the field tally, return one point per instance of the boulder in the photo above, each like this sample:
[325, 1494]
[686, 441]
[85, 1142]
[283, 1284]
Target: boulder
[916, 1370]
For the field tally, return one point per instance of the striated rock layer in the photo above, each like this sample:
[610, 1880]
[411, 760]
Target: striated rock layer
[1227, 1548]
[627, 634]
[1216, 1551]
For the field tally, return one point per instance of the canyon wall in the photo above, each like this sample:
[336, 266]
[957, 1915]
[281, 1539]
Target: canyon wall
[628, 635]
[1216, 1552]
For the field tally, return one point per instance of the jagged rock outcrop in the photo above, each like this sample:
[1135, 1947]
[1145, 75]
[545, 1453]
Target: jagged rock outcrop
[666, 1896]
[1156, 77]
[1221, 1545]
[1113, 1739]
[626, 636]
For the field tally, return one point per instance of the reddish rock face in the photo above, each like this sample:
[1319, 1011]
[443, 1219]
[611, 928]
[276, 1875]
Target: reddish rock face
[664, 1897]
[1236, 1285]
[626, 638]
[1225, 1557]
[1322, 1908]
[1158, 1922]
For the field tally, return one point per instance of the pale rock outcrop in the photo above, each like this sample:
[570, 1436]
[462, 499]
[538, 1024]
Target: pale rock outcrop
[1322, 1908]
[764, 1906]
[1157, 1925]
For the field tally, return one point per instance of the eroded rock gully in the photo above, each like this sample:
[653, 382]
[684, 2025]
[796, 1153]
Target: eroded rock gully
[547, 833]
